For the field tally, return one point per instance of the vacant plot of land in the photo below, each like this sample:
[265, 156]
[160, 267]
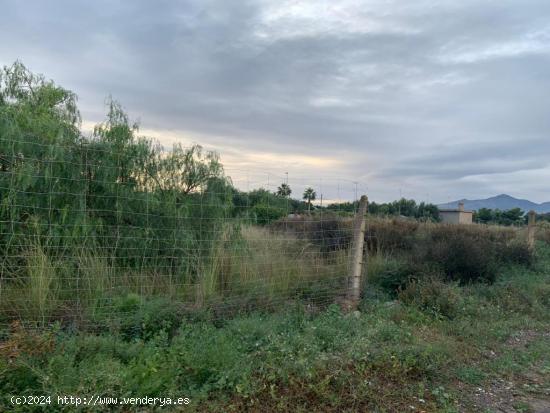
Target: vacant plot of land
[129, 271]
[486, 351]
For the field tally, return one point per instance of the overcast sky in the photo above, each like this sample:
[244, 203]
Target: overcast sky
[436, 100]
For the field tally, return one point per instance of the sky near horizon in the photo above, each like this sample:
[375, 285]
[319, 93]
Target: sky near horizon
[431, 100]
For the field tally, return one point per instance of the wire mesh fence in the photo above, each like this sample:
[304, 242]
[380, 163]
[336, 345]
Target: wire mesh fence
[93, 230]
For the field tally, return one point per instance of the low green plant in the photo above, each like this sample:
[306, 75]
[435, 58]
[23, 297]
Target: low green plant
[266, 214]
[433, 296]
[387, 273]
[470, 374]
[136, 317]
[517, 252]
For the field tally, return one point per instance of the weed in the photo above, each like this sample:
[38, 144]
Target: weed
[432, 296]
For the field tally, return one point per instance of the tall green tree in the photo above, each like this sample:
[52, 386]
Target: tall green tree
[116, 192]
[39, 160]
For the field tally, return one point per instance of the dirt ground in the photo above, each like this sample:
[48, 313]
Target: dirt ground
[526, 393]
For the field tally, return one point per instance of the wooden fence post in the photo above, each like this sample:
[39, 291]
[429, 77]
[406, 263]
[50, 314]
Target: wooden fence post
[357, 253]
[531, 229]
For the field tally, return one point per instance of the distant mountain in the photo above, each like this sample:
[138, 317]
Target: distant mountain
[502, 202]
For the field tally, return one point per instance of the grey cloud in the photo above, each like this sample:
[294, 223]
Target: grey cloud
[454, 161]
[382, 81]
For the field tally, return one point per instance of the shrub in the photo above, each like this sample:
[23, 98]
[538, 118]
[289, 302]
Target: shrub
[266, 214]
[328, 231]
[389, 274]
[543, 232]
[136, 317]
[433, 296]
[464, 254]
[384, 235]
[517, 252]
[332, 233]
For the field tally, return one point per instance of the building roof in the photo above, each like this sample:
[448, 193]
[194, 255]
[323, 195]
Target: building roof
[459, 209]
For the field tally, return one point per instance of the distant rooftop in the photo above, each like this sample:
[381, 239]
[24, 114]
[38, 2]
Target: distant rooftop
[460, 208]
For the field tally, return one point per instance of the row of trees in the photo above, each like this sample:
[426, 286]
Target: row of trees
[510, 217]
[403, 207]
[309, 194]
[514, 216]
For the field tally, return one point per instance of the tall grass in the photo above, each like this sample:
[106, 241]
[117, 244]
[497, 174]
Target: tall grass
[95, 278]
[251, 267]
[266, 267]
[42, 286]
[33, 294]
[245, 267]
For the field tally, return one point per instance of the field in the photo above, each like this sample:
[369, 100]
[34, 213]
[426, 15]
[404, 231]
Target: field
[130, 270]
[419, 342]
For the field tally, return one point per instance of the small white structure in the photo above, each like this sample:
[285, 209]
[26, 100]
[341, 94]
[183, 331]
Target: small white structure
[456, 216]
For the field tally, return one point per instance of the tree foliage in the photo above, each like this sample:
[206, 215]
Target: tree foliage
[115, 191]
[403, 207]
[514, 216]
[284, 190]
[309, 196]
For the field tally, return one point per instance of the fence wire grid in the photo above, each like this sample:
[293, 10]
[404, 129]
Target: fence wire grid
[93, 231]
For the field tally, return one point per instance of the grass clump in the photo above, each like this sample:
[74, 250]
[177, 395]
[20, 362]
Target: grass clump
[136, 317]
[389, 274]
[433, 296]
[33, 295]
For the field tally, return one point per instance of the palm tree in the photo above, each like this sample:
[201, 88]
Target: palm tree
[309, 195]
[284, 190]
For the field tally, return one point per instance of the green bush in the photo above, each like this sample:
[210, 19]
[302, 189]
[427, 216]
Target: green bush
[136, 317]
[433, 296]
[463, 254]
[517, 252]
[266, 214]
[389, 236]
[389, 274]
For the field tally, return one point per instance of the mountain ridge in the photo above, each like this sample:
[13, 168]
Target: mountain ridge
[502, 202]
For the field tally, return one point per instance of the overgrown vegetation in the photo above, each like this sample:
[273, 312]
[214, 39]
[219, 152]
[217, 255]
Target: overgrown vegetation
[464, 253]
[115, 213]
[144, 272]
[428, 351]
